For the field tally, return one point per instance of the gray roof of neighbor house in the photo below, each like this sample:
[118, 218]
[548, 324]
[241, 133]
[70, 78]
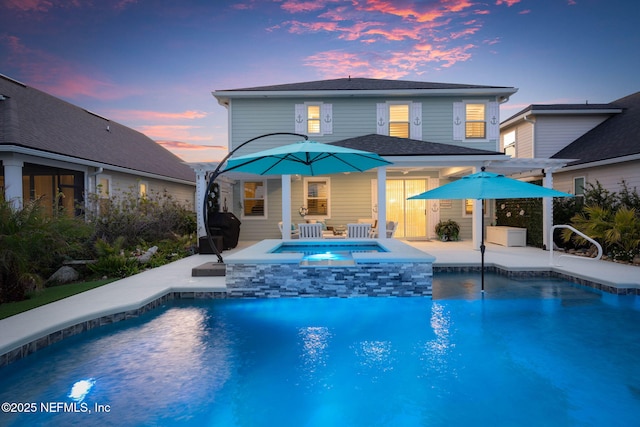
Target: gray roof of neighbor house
[618, 136]
[391, 146]
[35, 120]
[363, 86]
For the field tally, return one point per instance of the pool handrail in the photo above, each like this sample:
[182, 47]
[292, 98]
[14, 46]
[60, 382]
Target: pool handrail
[597, 245]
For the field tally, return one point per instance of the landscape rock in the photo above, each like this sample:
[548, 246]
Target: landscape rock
[63, 275]
[146, 257]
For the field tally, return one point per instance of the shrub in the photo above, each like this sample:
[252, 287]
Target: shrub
[152, 218]
[32, 246]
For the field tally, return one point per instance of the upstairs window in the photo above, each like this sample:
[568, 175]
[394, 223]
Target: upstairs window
[314, 118]
[399, 120]
[475, 126]
[476, 120]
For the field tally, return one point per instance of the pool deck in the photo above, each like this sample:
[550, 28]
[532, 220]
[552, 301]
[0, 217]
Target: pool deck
[124, 298]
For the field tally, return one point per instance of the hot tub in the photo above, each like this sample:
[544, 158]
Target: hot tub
[274, 268]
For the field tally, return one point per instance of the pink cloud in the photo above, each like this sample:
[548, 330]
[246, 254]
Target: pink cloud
[194, 152]
[156, 115]
[180, 145]
[29, 5]
[58, 77]
[298, 6]
[509, 3]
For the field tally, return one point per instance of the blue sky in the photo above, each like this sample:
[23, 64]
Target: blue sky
[152, 64]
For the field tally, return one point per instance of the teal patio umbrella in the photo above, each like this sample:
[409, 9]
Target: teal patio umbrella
[486, 185]
[306, 158]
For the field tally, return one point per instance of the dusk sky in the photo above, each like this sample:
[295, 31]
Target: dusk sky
[152, 64]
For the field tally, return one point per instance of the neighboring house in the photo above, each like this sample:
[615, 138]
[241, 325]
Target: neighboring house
[60, 153]
[602, 141]
[432, 132]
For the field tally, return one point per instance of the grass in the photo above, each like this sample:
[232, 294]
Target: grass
[49, 295]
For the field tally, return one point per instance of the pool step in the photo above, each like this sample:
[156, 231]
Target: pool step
[209, 269]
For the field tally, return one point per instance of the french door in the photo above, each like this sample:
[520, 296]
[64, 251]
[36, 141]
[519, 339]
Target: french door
[411, 215]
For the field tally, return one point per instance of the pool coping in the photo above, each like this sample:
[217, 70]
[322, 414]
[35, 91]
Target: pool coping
[397, 251]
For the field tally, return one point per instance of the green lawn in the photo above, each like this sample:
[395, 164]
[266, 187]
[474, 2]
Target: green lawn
[48, 295]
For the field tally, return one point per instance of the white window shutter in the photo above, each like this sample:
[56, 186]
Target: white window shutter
[416, 121]
[300, 119]
[326, 119]
[382, 119]
[493, 121]
[458, 121]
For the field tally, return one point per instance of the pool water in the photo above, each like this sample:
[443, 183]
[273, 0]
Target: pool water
[330, 254]
[528, 353]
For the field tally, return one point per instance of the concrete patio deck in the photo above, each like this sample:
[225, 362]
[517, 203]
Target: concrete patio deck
[27, 332]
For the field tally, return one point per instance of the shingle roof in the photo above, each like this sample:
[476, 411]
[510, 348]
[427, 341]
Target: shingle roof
[392, 146]
[617, 136]
[34, 119]
[362, 84]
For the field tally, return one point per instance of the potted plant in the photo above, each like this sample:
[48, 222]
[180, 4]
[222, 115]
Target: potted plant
[448, 230]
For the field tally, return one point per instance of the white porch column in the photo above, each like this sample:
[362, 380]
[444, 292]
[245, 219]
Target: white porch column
[382, 202]
[201, 187]
[13, 182]
[547, 211]
[286, 207]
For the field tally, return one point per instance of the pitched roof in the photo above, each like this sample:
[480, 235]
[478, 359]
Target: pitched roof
[362, 84]
[36, 120]
[617, 136]
[392, 146]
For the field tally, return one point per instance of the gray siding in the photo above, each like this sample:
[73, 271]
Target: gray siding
[609, 176]
[553, 133]
[351, 117]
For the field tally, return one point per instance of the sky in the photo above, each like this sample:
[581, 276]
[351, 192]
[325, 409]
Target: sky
[152, 64]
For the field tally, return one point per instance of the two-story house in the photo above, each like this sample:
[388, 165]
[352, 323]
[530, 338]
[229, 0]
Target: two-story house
[601, 140]
[59, 153]
[432, 132]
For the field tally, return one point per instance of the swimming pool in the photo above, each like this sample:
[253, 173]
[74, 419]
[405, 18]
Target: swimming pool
[530, 353]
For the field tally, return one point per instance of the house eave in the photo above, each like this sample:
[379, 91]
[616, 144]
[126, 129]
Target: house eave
[224, 96]
[18, 149]
[605, 162]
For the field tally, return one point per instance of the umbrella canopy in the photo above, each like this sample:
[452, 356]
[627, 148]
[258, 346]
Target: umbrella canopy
[486, 185]
[306, 158]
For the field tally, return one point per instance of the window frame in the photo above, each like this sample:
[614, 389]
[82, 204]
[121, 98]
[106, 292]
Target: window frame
[243, 215]
[305, 196]
[575, 188]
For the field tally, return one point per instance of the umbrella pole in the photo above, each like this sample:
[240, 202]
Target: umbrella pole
[482, 249]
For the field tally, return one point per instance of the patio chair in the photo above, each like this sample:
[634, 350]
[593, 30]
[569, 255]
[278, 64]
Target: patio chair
[310, 231]
[358, 231]
[294, 233]
[391, 230]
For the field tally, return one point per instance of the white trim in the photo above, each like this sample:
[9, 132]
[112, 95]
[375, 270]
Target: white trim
[574, 188]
